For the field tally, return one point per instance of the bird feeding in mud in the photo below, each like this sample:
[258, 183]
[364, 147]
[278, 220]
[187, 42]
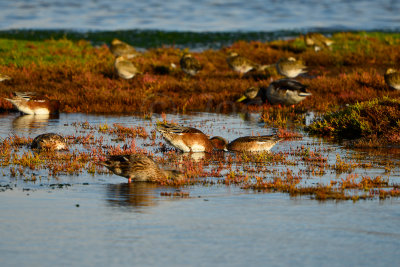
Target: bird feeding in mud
[186, 139]
[248, 143]
[140, 168]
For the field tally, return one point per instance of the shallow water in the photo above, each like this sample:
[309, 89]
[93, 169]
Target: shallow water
[116, 223]
[200, 15]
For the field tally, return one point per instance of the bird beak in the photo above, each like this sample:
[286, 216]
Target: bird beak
[241, 99]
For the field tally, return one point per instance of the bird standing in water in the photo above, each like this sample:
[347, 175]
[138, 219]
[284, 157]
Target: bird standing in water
[186, 139]
[139, 168]
[49, 141]
[248, 143]
[33, 104]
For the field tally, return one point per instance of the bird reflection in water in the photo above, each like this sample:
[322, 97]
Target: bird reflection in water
[133, 195]
[195, 157]
[31, 122]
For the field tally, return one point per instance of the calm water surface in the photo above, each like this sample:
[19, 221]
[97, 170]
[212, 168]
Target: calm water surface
[200, 15]
[120, 224]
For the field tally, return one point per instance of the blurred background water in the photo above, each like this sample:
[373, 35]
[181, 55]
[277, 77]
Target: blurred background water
[200, 15]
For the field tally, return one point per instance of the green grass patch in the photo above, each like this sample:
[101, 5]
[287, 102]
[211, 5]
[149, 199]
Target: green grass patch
[369, 120]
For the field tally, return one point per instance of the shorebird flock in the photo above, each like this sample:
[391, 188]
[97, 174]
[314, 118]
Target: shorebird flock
[137, 167]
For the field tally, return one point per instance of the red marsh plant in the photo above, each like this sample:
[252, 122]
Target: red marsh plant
[82, 76]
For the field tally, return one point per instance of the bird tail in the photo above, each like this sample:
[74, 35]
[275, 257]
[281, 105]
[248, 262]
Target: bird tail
[15, 102]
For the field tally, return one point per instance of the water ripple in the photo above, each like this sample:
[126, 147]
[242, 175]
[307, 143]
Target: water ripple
[199, 15]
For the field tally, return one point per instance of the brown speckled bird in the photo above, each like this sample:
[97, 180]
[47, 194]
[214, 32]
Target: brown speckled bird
[120, 48]
[190, 65]
[243, 65]
[125, 68]
[49, 141]
[139, 168]
[249, 143]
[318, 41]
[290, 67]
[392, 78]
[33, 104]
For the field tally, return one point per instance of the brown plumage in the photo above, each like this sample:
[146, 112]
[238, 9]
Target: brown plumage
[33, 104]
[190, 65]
[248, 143]
[139, 168]
[120, 48]
[290, 67]
[186, 139]
[125, 68]
[49, 141]
[392, 78]
[318, 41]
[243, 65]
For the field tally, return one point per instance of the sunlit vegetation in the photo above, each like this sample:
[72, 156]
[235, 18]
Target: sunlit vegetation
[333, 176]
[82, 76]
[370, 123]
[348, 93]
